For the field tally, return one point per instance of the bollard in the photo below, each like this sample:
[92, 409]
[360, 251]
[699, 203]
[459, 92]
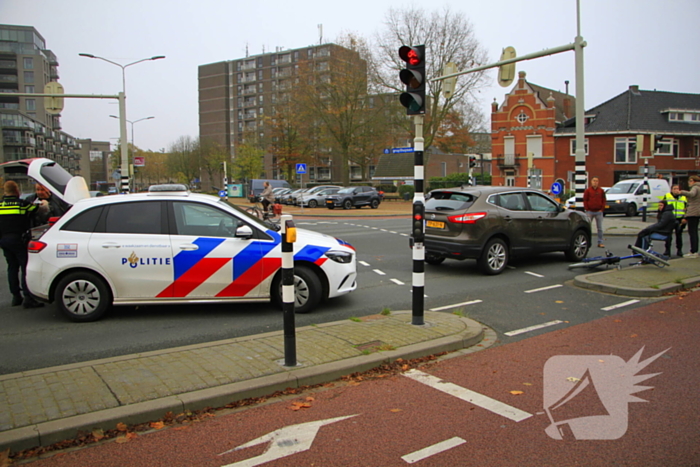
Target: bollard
[289, 236]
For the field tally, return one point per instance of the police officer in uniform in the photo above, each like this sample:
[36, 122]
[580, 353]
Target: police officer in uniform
[14, 225]
[678, 202]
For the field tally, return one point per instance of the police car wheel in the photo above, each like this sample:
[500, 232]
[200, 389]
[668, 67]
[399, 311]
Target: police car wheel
[307, 289]
[82, 296]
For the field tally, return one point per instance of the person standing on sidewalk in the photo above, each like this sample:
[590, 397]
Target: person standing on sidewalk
[692, 214]
[14, 224]
[678, 202]
[594, 205]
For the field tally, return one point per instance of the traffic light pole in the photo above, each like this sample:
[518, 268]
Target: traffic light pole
[418, 226]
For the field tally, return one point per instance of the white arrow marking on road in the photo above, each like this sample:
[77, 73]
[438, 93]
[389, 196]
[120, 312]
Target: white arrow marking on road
[284, 442]
[620, 305]
[472, 397]
[544, 288]
[432, 450]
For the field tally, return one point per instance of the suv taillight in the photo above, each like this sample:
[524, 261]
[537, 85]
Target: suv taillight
[468, 218]
[53, 220]
[35, 246]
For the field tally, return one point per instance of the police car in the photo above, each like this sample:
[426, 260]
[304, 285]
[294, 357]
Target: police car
[171, 246]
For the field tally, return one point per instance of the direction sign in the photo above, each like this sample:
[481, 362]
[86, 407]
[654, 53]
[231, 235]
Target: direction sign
[301, 168]
[556, 188]
[401, 150]
[222, 193]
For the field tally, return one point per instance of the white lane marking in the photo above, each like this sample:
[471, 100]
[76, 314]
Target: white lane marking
[485, 402]
[533, 274]
[379, 271]
[391, 231]
[424, 453]
[532, 328]
[404, 235]
[447, 307]
[396, 281]
[544, 288]
[364, 263]
[620, 305]
[383, 230]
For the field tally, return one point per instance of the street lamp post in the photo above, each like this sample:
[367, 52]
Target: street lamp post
[122, 115]
[132, 132]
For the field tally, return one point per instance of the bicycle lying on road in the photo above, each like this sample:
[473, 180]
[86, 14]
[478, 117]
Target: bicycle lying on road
[644, 256]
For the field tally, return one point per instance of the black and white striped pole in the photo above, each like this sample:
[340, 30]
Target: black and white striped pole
[289, 236]
[418, 226]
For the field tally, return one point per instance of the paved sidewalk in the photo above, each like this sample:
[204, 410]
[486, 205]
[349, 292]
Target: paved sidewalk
[41, 407]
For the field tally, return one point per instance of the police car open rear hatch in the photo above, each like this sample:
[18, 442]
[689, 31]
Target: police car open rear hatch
[58, 180]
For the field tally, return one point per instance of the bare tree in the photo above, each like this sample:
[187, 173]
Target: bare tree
[448, 37]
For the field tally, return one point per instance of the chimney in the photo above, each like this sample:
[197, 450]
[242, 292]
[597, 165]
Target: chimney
[634, 89]
[494, 107]
[567, 107]
[521, 79]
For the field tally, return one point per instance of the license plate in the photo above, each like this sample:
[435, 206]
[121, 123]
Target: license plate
[435, 224]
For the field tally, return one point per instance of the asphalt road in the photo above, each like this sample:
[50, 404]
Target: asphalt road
[532, 292]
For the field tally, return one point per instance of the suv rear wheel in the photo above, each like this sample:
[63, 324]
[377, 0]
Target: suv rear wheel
[494, 258]
[374, 204]
[347, 204]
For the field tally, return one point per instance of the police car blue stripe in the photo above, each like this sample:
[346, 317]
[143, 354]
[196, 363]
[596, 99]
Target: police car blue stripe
[249, 256]
[310, 253]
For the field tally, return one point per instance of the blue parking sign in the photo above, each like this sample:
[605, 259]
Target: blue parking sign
[222, 193]
[301, 168]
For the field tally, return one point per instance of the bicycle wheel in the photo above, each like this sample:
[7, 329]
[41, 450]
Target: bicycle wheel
[651, 257]
[254, 211]
[587, 264]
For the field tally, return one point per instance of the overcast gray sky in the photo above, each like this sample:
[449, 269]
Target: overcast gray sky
[650, 43]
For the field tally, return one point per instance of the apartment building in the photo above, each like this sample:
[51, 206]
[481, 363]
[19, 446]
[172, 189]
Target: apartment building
[236, 95]
[26, 65]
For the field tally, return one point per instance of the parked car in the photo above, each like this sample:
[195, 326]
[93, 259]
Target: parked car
[280, 193]
[627, 196]
[289, 197]
[171, 246]
[354, 196]
[318, 198]
[311, 191]
[493, 224]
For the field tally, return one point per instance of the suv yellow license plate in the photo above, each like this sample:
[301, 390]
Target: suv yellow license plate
[435, 224]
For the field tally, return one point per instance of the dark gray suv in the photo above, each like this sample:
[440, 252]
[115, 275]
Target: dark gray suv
[491, 224]
[354, 196]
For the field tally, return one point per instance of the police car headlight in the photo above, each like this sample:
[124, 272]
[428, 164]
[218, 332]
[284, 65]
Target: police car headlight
[342, 257]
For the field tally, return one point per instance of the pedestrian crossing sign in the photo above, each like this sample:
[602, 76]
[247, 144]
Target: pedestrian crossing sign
[301, 168]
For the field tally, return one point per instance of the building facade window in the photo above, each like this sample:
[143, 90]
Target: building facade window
[30, 104]
[28, 63]
[29, 89]
[668, 147]
[522, 117]
[625, 150]
[28, 76]
[572, 146]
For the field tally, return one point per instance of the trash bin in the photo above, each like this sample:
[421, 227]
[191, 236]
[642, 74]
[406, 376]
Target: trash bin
[407, 196]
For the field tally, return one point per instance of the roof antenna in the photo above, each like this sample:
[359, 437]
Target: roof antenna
[320, 34]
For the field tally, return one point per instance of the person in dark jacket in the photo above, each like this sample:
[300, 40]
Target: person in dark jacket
[49, 206]
[14, 224]
[666, 222]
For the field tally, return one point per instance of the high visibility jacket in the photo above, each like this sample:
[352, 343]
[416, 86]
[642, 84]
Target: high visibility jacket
[14, 215]
[679, 204]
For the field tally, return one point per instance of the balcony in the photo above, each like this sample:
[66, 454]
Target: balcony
[507, 161]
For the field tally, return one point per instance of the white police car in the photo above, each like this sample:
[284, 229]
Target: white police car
[171, 246]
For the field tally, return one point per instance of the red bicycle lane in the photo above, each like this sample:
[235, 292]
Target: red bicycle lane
[397, 419]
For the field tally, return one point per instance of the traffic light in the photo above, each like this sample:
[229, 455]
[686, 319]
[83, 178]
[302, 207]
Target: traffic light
[656, 143]
[417, 226]
[472, 162]
[413, 76]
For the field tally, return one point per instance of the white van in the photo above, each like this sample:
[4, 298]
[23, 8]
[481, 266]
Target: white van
[627, 196]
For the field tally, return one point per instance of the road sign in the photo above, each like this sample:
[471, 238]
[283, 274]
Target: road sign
[401, 150]
[556, 188]
[301, 168]
[139, 161]
[53, 105]
[222, 193]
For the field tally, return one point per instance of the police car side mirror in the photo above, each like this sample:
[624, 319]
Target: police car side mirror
[244, 231]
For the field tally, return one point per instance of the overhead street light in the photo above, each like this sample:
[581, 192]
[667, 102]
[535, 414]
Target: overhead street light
[122, 113]
[132, 126]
